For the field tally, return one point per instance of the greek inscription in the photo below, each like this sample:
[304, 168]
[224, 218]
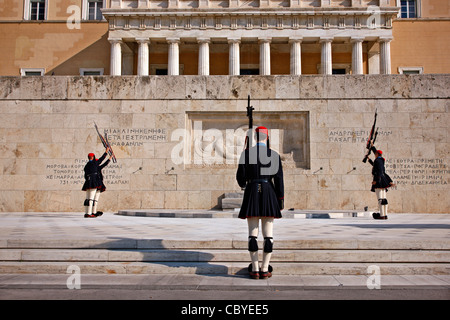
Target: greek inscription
[70, 172]
[418, 172]
[135, 137]
[352, 135]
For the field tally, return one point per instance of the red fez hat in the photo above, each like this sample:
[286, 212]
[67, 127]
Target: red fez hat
[91, 155]
[380, 152]
[262, 130]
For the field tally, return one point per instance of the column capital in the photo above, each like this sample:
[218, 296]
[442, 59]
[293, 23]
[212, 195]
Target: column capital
[326, 39]
[234, 40]
[295, 39]
[357, 39]
[142, 40]
[264, 40]
[385, 39]
[173, 40]
[115, 40]
[203, 40]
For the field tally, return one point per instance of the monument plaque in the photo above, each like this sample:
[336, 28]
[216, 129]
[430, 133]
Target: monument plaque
[217, 138]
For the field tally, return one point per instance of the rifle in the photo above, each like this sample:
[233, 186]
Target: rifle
[372, 137]
[106, 144]
[249, 137]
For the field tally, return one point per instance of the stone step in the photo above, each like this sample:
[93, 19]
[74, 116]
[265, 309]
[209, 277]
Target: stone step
[230, 208]
[241, 255]
[221, 268]
[305, 256]
[231, 203]
[299, 244]
[234, 195]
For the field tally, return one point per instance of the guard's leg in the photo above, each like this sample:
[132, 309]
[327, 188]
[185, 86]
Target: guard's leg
[267, 230]
[384, 203]
[96, 198]
[89, 202]
[253, 230]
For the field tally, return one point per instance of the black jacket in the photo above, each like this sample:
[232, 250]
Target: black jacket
[92, 174]
[380, 177]
[261, 173]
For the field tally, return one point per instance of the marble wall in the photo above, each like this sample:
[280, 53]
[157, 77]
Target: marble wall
[47, 130]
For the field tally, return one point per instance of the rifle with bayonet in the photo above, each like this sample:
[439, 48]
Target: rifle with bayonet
[106, 144]
[372, 138]
[249, 137]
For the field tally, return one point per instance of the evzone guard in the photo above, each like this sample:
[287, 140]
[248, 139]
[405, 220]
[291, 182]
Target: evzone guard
[261, 174]
[381, 180]
[93, 184]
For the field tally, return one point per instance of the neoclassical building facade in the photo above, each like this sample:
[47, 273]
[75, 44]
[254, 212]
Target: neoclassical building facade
[68, 65]
[229, 37]
[277, 30]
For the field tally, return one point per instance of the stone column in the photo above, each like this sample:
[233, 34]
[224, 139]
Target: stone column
[143, 56]
[116, 57]
[357, 55]
[234, 61]
[173, 68]
[326, 63]
[203, 56]
[264, 56]
[296, 56]
[385, 55]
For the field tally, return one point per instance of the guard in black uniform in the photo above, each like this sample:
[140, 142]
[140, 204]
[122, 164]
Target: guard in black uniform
[381, 181]
[93, 184]
[260, 172]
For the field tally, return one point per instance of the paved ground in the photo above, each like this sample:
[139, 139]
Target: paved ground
[55, 226]
[109, 226]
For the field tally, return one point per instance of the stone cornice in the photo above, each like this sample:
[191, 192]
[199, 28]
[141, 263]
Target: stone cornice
[248, 11]
[422, 86]
[232, 19]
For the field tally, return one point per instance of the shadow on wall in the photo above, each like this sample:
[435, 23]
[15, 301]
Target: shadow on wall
[95, 56]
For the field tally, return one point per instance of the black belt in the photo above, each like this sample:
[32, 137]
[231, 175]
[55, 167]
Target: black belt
[90, 175]
[258, 180]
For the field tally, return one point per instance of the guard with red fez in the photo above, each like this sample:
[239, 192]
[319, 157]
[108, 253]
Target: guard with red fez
[93, 184]
[381, 181]
[261, 174]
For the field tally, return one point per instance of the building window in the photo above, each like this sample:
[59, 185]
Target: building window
[161, 72]
[94, 10]
[32, 71]
[35, 9]
[162, 69]
[410, 70]
[408, 9]
[337, 68]
[249, 72]
[338, 71]
[249, 69]
[91, 71]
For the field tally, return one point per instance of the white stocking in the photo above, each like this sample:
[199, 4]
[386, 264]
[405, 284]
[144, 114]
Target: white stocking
[267, 231]
[381, 194]
[253, 230]
[97, 196]
[90, 194]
